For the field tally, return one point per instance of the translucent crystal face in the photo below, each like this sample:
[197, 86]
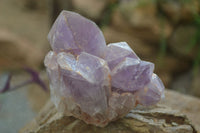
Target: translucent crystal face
[72, 32]
[116, 52]
[92, 81]
[131, 74]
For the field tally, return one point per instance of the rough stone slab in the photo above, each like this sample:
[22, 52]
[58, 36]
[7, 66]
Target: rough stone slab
[188, 105]
[159, 119]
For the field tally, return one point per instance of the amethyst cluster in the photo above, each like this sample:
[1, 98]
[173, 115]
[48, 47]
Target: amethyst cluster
[92, 81]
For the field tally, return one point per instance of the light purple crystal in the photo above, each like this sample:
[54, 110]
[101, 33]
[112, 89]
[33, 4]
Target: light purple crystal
[132, 74]
[152, 92]
[116, 52]
[92, 81]
[74, 33]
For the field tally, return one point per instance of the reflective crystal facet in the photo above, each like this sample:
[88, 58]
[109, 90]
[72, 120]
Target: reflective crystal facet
[72, 32]
[92, 81]
[116, 52]
[132, 74]
[152, 92]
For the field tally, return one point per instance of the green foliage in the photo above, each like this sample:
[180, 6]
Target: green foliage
[162, 43]
[107, 14]
[195, 42]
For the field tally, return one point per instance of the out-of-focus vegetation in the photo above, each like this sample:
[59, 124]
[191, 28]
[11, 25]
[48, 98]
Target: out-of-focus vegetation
[166, 32]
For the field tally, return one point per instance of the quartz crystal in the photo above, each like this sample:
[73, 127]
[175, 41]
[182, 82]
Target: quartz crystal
[94, 82]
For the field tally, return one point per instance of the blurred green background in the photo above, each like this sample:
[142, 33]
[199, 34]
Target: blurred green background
[166, 32]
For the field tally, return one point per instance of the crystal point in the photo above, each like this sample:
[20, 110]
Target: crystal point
[152, 93]
[116, 52]
[72, 31]
[132, 74]
[94, 82]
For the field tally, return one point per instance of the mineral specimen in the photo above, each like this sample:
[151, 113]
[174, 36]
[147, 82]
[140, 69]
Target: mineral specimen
[94, 82]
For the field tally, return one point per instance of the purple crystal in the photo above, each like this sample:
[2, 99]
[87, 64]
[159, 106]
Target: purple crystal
[116, 52]
[92, 81]
[151, 93]
[131, 74]
[74, 33]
